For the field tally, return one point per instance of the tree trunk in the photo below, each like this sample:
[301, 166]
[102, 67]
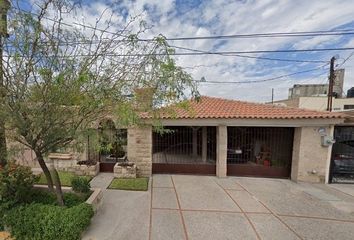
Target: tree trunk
[58, 190]
[3, 151]
[45, 171]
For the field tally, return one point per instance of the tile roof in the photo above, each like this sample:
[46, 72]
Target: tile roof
[213, 108]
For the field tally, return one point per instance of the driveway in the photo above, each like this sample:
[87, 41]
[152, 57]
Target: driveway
[203, 207]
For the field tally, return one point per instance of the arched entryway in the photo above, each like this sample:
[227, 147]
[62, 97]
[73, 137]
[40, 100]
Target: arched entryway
[109, 146]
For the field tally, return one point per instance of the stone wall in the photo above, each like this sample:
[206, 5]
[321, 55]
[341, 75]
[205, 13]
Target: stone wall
[140, 149]
[68, 162]
[22, 155]
[310, 161]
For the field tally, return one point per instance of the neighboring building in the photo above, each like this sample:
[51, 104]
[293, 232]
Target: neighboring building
[318, 103]
[307, 90]
[310, 90]
[233, 138]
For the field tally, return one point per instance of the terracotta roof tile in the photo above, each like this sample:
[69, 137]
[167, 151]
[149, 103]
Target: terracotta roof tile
[211, 107]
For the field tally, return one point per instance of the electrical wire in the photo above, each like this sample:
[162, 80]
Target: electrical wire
[252, 35]
[251, 57]
[263, 80]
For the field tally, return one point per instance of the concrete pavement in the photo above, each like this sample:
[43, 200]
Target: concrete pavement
[205, 207]
[122, 215]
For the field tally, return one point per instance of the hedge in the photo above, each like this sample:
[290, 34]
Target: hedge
[47, 222]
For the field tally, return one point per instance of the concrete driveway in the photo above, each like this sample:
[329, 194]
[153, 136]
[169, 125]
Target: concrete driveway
[203, 207]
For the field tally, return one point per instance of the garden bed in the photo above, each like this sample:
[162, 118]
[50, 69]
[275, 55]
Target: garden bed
[65, 178]
[29, 212]
[132, 184]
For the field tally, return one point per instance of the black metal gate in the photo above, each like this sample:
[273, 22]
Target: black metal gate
[259, 151]
[342, 160]
[185, 150]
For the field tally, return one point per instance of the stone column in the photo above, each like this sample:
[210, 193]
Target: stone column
[221, 151]
[140, 149]
[204, 144]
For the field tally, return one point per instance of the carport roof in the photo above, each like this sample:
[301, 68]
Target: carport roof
[214, 108]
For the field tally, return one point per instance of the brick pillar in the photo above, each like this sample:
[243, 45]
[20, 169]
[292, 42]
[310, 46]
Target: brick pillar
[221, 151]
[140, 149]
[204, 144]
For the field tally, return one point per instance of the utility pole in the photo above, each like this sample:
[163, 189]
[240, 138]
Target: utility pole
[4, 8]
[272, 95]
[330, 85]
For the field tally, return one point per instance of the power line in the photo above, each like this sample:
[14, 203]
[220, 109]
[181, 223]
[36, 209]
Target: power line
[263, 80]
[251, 57]
[252, 35]
[226, 53]
[349, 56]
[202, 51]
[261, 35]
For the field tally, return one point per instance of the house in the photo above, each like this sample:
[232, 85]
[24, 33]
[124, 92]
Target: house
[222, 137]
[229, 137]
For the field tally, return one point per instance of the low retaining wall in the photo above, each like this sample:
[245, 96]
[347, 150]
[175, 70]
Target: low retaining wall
[67, 162]
[125, 170]
[95, 199]
[85, 170]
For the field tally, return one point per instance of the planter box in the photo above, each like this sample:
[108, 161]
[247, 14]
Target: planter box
[125, 170]
[85, 170]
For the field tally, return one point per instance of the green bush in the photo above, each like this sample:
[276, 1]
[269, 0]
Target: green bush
[74, 199]
[43, 196]
[4, 207]
[47, 222]
[16, 183]
[49, 198]
[80, 184]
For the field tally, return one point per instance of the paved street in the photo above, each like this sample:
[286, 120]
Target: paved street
[202, 207]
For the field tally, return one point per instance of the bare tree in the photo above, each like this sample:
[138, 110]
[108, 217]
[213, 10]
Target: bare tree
[61, 76]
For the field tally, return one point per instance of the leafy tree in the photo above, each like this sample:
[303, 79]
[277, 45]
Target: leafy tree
[60, 78]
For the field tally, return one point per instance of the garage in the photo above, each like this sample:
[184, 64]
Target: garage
[259, 151]
[214, 136]
[184, 150]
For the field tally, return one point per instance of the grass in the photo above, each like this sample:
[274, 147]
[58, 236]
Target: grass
[65, 178]
[133, 184]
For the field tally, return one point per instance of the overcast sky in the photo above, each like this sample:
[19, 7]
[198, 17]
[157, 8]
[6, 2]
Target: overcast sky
[189, 18]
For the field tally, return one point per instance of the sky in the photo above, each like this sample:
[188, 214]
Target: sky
[193, 18]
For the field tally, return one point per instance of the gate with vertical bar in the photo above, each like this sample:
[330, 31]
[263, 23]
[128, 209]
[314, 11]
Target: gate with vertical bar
[185, 150]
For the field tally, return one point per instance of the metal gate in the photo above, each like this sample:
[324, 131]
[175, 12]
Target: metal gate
[342, 160]
[185, 150]
[259, 151]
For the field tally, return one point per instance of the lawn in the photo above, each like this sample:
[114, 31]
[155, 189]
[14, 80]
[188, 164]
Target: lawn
[65, 178]
[133, 184]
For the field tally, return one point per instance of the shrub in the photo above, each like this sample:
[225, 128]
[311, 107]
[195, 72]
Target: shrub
[48, 222]
[80, 184]
[16, 183]
[4, 207]
[73, 199]
[45, 197]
